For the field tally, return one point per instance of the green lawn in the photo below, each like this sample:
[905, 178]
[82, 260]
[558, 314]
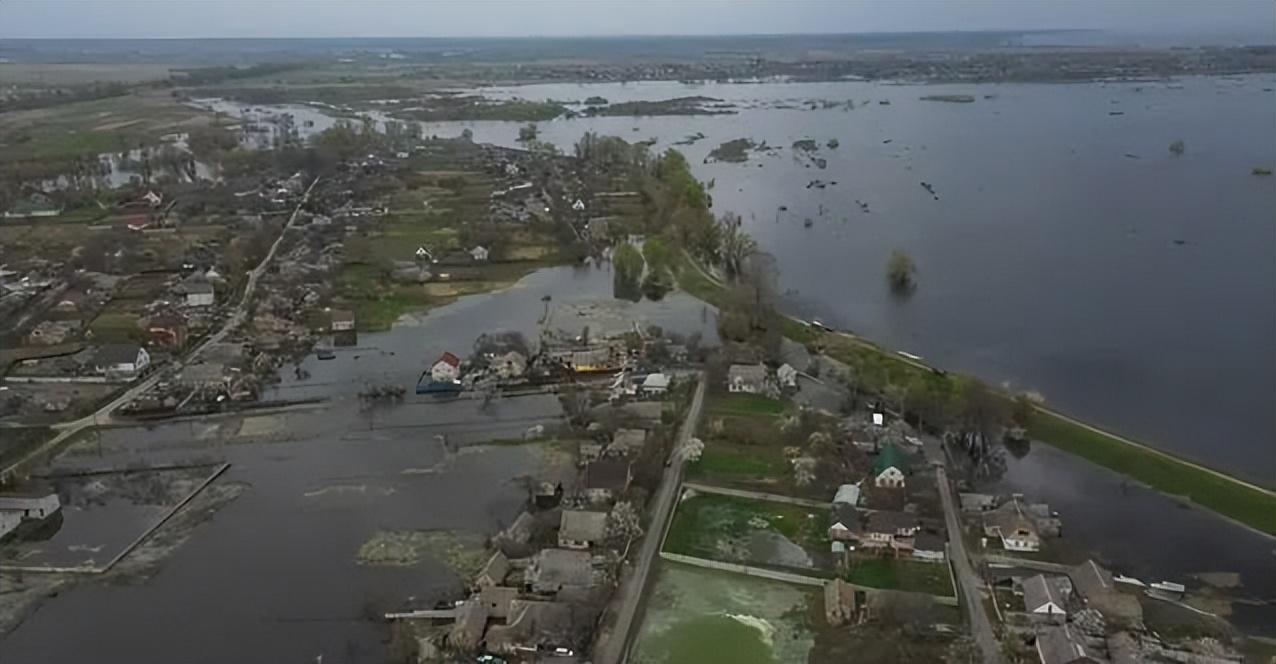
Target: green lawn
[895, 574]
[719, 459]
[702, 522]
[745, 405]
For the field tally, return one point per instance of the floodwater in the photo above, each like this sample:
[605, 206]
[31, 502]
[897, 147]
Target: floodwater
[1144, 533]
[1068, 251]
[707, 617]
[273, 577]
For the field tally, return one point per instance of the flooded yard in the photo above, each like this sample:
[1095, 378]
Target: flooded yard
[344, 511]
[707, 617]
[102, 515]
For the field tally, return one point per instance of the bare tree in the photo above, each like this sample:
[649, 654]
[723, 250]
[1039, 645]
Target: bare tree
[624, 524]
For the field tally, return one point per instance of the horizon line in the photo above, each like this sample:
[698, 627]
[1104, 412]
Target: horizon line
[571, 36]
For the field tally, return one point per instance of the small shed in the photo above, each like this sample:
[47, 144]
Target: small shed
[847, 494]
[579, 529]
[656, 383]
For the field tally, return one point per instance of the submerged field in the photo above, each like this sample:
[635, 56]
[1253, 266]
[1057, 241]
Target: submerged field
[707, 617]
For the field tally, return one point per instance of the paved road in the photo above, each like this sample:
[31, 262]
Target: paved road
[613, 648]
[967, 581]
[103, 415]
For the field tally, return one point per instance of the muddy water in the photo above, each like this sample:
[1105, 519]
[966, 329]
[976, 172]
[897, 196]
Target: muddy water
[273, 577]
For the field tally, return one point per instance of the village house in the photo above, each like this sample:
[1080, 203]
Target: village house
[471, 620]
[596, 360]
[35, 205]
[167, 330]
[493, 571]
[509, 365]
[555, 570]
[626, 442]
[518, 534]
[547, 495]
[889, 467]
[1096, 587]
[655, 384]
[892, 530]
[341, 320]
[479, 254]
[72, 301]
[532, 626]
[929, 547]
[447, 369]
[1016, 531]
[497, 600]
[579, 529]
[16, 508]
[606, 479]
[1046, 598]
[210, 375]
[1062, 644]
[847, 524]
[787, 376]
[121, 361]
[198, 292]
[977, 503]
[746, 378]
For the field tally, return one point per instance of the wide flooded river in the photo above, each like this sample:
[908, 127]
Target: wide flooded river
[1065, 250]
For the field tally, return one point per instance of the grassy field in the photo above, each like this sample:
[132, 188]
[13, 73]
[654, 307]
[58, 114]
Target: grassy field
[894, 574]
[704, 521]
[92, 127]
[1249, 506]
[745, 405]
[39, 73]
[1256, 509]
[745, 462]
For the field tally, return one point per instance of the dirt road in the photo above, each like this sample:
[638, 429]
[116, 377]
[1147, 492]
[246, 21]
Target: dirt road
[613, 647]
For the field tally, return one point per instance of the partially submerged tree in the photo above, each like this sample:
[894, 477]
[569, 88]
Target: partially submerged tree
[1177, 148]
[735, 246]
[901, 272]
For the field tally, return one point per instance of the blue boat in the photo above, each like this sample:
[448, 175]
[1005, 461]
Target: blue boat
[427, 385]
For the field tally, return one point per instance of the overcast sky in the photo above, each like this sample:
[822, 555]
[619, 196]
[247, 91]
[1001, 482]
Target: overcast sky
[457, 18]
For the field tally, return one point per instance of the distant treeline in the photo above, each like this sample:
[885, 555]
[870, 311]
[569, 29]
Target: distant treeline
[56, 96]
[206, 75]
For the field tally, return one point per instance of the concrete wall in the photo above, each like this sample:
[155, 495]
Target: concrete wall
[55, 379]
[755, 495]
[787, 577]
[746, 570]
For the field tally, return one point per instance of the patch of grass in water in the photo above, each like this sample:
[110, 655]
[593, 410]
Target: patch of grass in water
[462, 552]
